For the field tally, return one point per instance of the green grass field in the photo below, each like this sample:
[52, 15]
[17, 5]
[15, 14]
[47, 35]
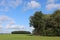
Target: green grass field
[25, 37]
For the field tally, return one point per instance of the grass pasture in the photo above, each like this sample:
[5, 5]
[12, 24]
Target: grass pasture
[25, 37]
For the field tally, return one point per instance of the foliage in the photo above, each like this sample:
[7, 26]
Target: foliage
[46, 24]
[21, 32]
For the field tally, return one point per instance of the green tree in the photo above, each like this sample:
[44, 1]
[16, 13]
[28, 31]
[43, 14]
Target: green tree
[37, 22]
[46, 24]
[56, 21]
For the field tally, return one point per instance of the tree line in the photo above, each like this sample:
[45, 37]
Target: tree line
[20, 32]
[46, 24]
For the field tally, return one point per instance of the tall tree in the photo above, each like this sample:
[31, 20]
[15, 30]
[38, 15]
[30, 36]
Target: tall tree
[46, 24]
[36, 21]
[56, 19]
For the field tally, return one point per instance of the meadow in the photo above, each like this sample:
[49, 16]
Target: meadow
[25, 37]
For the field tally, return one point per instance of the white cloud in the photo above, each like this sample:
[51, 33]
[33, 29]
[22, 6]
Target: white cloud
[3, 18]
[0, 26]
[51, 5]
[15, 3]
[15, 27]
[19, 28]
[32, 28]
[6, 20]
[32, 5]
[50, 1]
[5, 5]
[12, 23]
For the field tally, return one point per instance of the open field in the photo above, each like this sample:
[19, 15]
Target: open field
[25, 37]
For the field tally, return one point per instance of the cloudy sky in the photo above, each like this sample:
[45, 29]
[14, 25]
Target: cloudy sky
[14, 14]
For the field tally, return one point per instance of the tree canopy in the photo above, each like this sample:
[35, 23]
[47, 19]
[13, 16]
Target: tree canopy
[46, 24]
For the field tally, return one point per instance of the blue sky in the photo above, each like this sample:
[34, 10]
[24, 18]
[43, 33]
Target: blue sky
[14, 14]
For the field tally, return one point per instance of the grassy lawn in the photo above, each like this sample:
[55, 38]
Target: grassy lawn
[25, 37]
